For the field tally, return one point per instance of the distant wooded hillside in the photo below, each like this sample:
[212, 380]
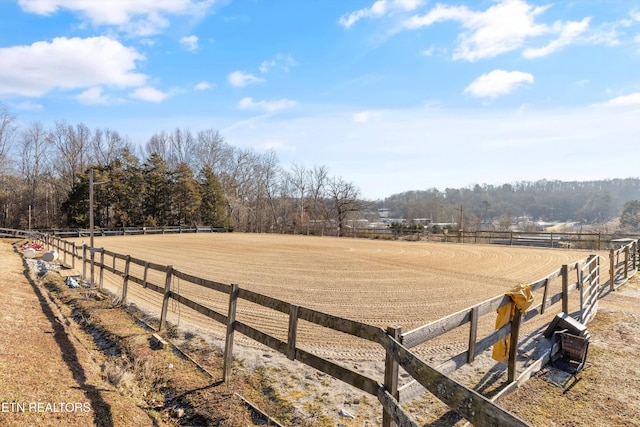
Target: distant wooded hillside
[588, 202]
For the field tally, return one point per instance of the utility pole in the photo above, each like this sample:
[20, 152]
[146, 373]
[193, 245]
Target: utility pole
[91, 221]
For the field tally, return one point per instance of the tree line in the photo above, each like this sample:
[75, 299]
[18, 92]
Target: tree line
[585, 202]
[177, 178]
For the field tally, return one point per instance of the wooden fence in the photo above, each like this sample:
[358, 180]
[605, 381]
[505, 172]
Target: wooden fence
[21, 234]
[127, 231]
[470, 404]
[593, 241]
[623, 263]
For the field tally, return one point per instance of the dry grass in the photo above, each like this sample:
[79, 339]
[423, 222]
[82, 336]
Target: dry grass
[606, 391]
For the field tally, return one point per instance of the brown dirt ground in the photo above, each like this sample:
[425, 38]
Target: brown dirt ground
[382, 283]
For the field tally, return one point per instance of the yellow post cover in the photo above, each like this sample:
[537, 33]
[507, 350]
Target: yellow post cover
[521, 298]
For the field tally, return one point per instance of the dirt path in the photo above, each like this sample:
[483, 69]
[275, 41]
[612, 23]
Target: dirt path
[46, 377]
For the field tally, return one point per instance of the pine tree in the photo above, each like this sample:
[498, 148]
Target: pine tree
[157, 197]
[213, 209]
[186, 196]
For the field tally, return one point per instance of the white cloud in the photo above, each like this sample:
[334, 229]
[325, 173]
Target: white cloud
[509, 25]
[68, 64]
[241, 79]
[149, 94]
[266, 106]
[93, 96]
[501, 28]
[281, 61]
[497, 83]
[631, 100]
[190, 43]
[378, 8]
[139, 17]
[569, 33]
[204, 85]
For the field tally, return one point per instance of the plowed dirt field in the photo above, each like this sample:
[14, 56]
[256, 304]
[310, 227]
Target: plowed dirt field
[382, 283]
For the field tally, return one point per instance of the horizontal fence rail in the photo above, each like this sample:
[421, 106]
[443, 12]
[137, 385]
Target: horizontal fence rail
[583, 276]
[22, 234]
[131, 231]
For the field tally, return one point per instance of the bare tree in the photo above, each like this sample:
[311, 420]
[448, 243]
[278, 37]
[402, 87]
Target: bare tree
[108, 145]
[237, 179]
[344, 196]
[299, 177]
[317, 184]
[72, 152]
[8, 131]
[211, 150]
[271, 176]
[7, 135]
[174, 148]
[159, 145]
[266, 173]
[35, 168]
[182, 149]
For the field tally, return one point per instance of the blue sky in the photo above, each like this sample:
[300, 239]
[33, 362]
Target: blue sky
[392, 95]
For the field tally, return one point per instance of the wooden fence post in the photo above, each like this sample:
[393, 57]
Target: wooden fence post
[73, 254]
[565, 288]
[581, 284]
[544, 296]
[146, 271]
[125, 282]
[100, 284]
[473, 333]
[293, 331]
[84, 260]
[626, 262]
[165, 298]
[513, 346]
[391, 376]
[612, 270]
[231, 325]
